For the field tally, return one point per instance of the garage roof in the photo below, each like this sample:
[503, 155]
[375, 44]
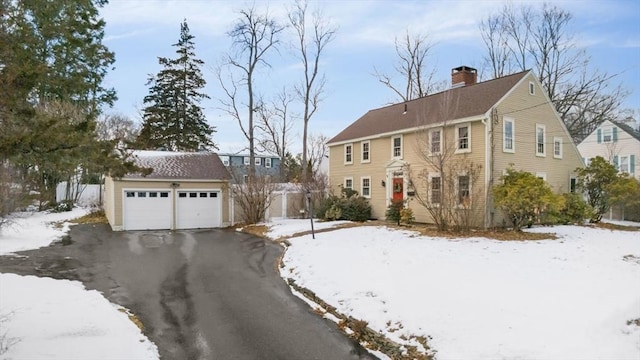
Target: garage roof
[180, 165]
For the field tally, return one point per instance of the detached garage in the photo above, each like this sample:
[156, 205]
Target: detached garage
[183, 191]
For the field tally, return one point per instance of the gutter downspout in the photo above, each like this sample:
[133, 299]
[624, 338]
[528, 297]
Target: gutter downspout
[488, 173]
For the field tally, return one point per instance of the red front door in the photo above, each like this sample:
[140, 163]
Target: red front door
[397, 189]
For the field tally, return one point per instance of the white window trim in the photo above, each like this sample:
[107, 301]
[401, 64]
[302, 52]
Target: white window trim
[430, 139]
[225, 160]
[628, 170]
[532, 88]
[344, 182]
[430, 190]
[457, 190]
[344, 158]
[468, 149]
[557, 139]
[401, 146]
[610, 129]
[544, 140]
[542, 175]
[257, 161]
[362, 186]
[247, 160]
[513, 135]
[362, 159]
[267, 162]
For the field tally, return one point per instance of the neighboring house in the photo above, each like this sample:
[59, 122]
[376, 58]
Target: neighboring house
[493, 124]
[617, 143]
[184, 191]
[238, 165]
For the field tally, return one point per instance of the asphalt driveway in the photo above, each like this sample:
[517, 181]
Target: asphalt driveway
[208, 294]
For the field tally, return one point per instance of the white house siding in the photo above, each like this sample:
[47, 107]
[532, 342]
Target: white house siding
[624, 145]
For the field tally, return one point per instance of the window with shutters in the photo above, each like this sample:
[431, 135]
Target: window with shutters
[607, 134]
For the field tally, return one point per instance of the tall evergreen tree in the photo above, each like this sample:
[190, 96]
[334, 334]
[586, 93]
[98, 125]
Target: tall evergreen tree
[173, 118]
[52, 68]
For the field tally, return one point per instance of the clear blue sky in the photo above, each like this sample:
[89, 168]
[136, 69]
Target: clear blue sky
[139, 31]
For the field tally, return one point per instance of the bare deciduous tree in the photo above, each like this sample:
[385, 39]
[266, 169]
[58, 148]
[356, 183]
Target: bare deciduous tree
[275, 124]
[254, 35]
[520, 38]
[317, 151]
[310, 45]
[253, 197]
[417, 79]
[445, 182]
[117, 127]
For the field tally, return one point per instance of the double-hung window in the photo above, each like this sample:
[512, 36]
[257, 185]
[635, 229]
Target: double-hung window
[607, 134]
[396, 147]
[557, 147]
[365, 148]
[348, 153]
[348, 183]
[540, 140]
[463, 138]
[267, 162]
[365, 186]
[436, 190]
[507, 135]
[257, 161]
[247, 160]
[464, 191]
[435, 141]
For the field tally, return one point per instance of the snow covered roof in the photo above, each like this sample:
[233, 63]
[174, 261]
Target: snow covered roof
[180, 165]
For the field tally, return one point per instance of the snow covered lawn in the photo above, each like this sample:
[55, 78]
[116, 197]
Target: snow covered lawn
[58, 319]
[279, 227]
[479, 298]
[33, 230]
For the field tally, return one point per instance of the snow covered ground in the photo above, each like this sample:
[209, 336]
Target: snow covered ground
[33, 230]
[58, 319]
[279, 227]
[478, 298]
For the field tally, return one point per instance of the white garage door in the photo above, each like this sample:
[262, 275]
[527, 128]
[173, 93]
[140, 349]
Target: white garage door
[199, 209]
[147, 210]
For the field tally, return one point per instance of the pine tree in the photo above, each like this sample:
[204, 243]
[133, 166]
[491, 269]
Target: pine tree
[52, 67]
[173, 118]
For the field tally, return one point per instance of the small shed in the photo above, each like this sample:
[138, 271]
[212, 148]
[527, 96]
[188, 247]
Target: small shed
[184, 191]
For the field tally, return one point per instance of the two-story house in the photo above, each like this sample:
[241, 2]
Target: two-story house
[491, 125]
[238, 165]
[617, 143]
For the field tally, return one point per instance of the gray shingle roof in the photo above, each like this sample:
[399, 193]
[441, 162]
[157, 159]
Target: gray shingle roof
[452, 104]
[178, 165]
[628, 129]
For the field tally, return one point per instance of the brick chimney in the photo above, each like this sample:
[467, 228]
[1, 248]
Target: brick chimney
[463, 76]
